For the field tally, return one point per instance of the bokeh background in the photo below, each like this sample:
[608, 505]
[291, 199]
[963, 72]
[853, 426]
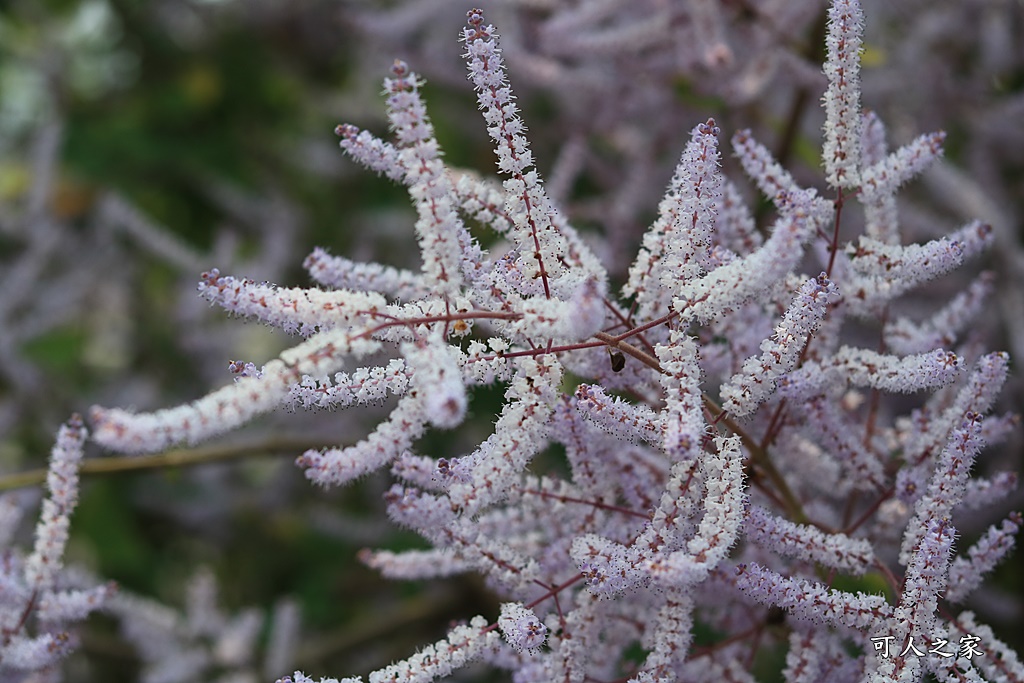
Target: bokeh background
[143, 142]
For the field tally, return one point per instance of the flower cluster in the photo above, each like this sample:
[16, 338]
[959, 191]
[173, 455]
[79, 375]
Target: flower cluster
[729, 437]
[40, 599]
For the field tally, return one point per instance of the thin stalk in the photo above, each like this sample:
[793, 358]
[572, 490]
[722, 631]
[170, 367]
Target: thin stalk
[181, 457]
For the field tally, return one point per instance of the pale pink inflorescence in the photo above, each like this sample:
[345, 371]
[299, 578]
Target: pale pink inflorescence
[62, 482]
[722, 441]
[42, 598]
[841, 150]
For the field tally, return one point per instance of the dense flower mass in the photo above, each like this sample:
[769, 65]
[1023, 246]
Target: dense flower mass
[731, 443]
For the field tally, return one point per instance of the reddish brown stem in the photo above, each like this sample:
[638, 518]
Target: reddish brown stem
[583, 501]
[446, 318]
[834, 247]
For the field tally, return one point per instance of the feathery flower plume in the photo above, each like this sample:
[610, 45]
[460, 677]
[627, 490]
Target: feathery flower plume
[841, 151]
[43, 565]
[724, 438]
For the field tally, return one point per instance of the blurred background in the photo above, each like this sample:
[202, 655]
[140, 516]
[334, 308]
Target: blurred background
[143, 142]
